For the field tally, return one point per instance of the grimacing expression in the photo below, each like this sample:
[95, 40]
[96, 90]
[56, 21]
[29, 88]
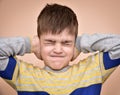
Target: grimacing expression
[57, 49]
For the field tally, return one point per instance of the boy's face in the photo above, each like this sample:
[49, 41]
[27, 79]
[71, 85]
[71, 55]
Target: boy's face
[57, 49]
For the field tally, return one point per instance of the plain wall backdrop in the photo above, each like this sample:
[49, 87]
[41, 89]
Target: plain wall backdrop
[18, 18]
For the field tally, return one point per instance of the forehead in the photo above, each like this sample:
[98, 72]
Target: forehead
[64, 35]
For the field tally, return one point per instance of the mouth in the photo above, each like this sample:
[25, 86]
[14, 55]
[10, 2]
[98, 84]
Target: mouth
[57, 57]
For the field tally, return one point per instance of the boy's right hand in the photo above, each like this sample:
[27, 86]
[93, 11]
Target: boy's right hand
[35, 48]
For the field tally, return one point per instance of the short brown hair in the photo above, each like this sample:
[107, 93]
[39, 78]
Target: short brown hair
[54, 18]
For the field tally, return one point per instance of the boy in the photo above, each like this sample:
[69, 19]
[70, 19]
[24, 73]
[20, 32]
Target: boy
[57, 32]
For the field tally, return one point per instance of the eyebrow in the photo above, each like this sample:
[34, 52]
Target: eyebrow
[67, 41]
[49, 40]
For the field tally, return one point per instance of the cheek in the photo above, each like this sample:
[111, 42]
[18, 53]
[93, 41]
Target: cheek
[69, 51]
[45, 50]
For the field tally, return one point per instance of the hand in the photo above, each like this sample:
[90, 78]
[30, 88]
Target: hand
[36, 50]
[36, 46]
[81, 56]
[75, 55]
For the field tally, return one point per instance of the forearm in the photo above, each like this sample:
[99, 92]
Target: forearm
[11, 47]
[14, 46]
[100, 42]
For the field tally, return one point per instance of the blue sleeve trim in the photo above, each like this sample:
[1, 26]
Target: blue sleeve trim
[109, 63]
[8, 72]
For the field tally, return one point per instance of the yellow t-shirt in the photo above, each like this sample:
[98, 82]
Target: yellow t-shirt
[83, 78]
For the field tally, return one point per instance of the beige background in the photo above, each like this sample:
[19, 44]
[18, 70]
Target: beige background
[18, 18]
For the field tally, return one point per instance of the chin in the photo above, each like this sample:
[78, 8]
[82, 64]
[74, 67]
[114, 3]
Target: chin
[57, 68]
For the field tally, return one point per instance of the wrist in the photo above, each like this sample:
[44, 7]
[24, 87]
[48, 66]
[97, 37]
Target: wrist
[27, 44]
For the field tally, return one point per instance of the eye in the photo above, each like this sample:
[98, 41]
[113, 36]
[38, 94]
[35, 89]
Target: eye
[49, 42]
[67, 43]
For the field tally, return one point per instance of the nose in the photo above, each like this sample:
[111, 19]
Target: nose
[58, 48]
